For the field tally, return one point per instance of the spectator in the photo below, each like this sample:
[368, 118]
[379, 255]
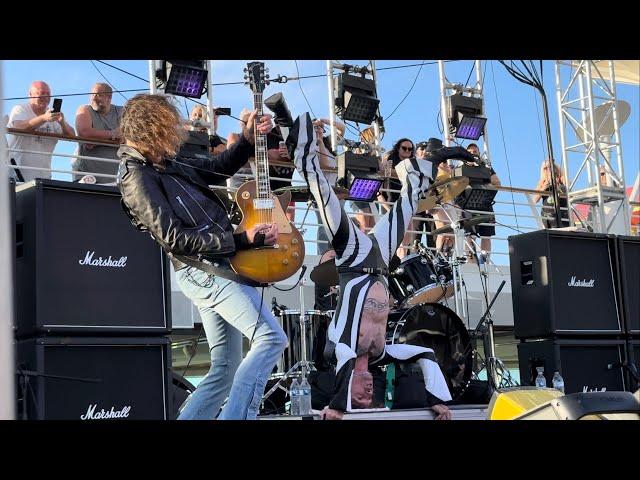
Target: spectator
[36, 118]
[548, 209]
[100, 120]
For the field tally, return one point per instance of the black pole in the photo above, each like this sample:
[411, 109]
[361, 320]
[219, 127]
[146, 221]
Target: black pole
[554, 184]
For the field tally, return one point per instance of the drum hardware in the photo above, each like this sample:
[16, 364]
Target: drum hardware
[457, 259]
[304, 365]
[435, 326]
[418, 279]
[497, 374]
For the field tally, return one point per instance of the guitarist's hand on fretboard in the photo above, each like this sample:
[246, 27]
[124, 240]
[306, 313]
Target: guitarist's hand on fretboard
[265, 125]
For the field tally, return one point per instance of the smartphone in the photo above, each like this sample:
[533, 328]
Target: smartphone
[222, 111]
[57, 105]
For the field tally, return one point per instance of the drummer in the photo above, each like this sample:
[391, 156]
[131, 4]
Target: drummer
[438, 154]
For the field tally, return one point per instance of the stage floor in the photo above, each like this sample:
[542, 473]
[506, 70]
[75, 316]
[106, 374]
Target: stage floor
[458, 412]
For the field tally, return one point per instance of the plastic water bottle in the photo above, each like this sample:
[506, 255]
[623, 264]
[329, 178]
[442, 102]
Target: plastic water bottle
[558, 381]
[541, 382]
[305, 397]
[294, 394]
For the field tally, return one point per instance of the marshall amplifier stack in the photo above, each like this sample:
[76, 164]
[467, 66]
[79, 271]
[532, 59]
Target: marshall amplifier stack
[575, 307]
[93, 307]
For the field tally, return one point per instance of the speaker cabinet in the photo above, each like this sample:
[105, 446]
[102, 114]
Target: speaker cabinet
[585, 365]
[629, 282]
[563, 284]
[81, 266]
[94, 378]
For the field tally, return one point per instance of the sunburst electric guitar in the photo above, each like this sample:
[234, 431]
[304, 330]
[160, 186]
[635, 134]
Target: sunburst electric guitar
[277, 262]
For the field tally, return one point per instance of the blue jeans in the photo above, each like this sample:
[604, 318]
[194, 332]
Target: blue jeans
[228, 311]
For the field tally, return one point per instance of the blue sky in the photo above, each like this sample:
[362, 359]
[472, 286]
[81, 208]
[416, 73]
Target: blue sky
[516, 143]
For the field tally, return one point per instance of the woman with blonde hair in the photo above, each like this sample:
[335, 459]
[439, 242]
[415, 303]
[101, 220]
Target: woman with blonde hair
[548, 209]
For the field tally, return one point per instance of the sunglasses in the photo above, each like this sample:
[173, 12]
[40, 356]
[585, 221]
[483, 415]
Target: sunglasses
[407, 149]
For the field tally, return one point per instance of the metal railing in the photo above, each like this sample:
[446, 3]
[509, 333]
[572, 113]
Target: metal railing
[514, 209]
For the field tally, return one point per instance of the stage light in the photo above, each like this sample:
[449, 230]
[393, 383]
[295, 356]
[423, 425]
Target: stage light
[471, 127]
[357, 173]
[466, 120]
[476, 197]
[356, 99]
[185, 78]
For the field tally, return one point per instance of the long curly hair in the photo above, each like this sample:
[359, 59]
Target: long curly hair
[153, 124]
[394, 153]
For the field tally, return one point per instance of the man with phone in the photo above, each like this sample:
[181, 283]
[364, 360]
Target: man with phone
[100, 120]
[35, 117]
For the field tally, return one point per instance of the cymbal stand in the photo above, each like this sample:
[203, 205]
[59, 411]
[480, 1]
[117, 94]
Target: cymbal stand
[457, 259]
[497, 373]
[304, 365]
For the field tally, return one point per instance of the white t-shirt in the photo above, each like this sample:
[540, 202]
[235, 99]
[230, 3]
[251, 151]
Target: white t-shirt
[36, 144]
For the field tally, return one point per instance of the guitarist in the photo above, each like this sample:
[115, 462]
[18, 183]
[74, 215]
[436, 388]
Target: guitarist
[168, 197]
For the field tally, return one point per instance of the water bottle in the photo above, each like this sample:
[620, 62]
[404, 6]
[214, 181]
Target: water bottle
[541, 382]
[294, 394]
[558, 381]
[305, 397]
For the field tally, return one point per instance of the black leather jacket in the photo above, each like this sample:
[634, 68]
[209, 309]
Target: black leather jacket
[175, 205]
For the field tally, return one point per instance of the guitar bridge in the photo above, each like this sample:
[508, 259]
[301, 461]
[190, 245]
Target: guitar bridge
[263, 203]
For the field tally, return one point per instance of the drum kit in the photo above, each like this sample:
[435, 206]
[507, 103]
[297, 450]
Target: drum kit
[420, 285]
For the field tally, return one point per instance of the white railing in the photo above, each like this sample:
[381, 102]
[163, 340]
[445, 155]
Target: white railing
[514, 209]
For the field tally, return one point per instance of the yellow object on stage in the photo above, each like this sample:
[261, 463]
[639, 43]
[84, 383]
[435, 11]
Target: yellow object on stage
[508, 403]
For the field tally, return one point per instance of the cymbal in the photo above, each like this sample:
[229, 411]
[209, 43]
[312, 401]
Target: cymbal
[325, 274]
[448, 189]
[428, 203]
[303, 194]
[465, 223]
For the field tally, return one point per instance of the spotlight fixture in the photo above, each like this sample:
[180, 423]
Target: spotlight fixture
[476, 197]
[185, 78]
[466, 119]
[357, 173]
[471, 127]
[356, 99]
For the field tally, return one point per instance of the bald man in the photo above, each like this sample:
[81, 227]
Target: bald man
[36, 117]
[100, 120]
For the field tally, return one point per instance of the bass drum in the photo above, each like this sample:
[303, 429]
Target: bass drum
[437, 327]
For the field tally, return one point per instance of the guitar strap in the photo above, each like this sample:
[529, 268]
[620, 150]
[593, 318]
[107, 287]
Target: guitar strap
[207, 267]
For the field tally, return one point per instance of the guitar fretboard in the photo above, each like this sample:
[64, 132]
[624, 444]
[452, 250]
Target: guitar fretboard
[262, 159]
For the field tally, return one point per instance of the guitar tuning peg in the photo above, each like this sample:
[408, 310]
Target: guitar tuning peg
[246, 77]
[245, 70]
[267, 76]
[266, 70]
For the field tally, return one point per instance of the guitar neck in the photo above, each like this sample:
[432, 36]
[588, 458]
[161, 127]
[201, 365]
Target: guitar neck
[261, 155]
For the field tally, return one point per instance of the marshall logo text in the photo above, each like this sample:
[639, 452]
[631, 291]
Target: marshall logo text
[102, 262]
[581, 283]
[105, 415]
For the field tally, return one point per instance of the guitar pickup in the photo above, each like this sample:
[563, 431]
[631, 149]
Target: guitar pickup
[263, 203]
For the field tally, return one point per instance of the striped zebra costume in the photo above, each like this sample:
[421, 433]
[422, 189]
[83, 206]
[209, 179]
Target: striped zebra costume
[362, 261]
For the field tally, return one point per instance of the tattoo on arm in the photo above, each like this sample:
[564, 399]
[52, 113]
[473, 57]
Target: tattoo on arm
[372, 305]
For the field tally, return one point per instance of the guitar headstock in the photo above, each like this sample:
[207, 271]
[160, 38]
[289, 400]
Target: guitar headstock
[256, 76]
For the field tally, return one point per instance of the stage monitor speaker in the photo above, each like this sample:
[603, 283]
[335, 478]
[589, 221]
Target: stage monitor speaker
[587, 406]
[629, 281]
[585, 365]
[563, 284]
[104, 378]
[83, 268]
